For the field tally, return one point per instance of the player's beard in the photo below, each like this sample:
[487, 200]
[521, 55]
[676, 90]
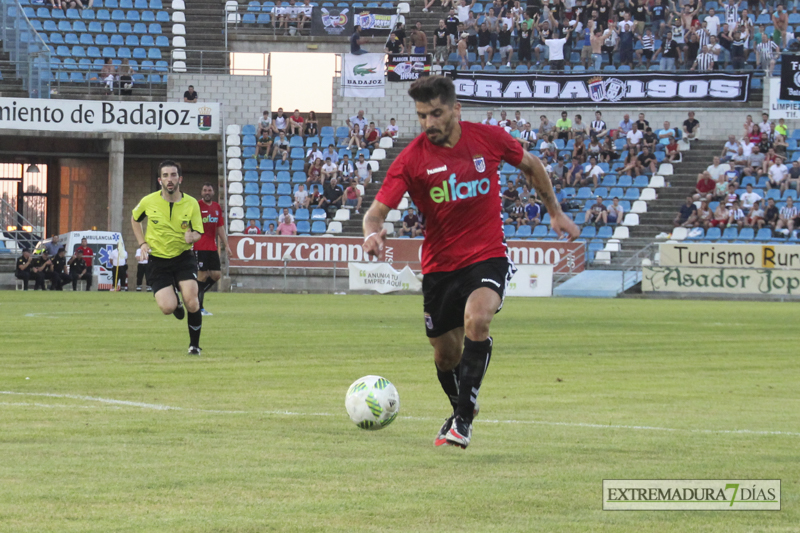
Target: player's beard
[207, 198]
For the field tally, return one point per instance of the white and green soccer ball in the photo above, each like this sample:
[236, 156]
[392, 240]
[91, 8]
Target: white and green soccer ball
[372, 402]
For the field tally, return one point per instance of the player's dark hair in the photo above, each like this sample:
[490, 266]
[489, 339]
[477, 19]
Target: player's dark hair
[170, 163]
[208, 184]
[430, 88]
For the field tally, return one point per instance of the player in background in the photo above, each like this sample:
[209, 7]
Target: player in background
[174, 224]
[208, 262]
[450, 172]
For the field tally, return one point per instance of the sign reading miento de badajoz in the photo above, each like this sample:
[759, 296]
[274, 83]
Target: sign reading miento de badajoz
[618, 88]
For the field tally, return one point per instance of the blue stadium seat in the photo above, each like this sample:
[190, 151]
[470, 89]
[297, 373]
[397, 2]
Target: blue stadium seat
[269, 201]
[284, 189]
[63, 51]
[102, 40]
[56, 38]
[112, 4]
[64, 26]
[509, 230]
[327, 131]
[641, 181]
[267, 176]
[140, 28]
[103, 14]
[764, 234]
[148, 16]
[132, 41]
[318, 227]
[284, 201]
[318, 214]
[249, 140]
[282, 165]
[730, 234]
[248, 152]
[584, 193]
[539, 231]
[86, 39]
[296, 153]
[588, 232]
[95, 27]
[118, 15]
[251, 175]
[140, 4]
[78, 51]
[252, 200]
[147, 40]
[251, 188]
[110, 28]
[43, 13]
[311, 140]
[154, 29]
[117, 40]
[302, 214]
[162, 16]
[632, 193]
[746, 234]
[248, 129]
[153, 53]
[303, 226]
[297, 164]
[125, 27]
[713, 234]
[250, 164]
[604, 232]
[298, 176]
[523, 231]
[283, 176]
[93, 51]
[580, 218]
[601, 191]
[266, 164]
[609, 180]
[73, 14]
[251, 213]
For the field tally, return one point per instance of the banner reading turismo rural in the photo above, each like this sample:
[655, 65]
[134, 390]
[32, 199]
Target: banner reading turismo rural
[407, 67]
[780, 256]
[362, 76]
[325, 252]
[618, 88]
[120, 117]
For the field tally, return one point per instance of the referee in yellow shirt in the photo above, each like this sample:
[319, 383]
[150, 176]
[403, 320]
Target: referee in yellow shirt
[175, 223]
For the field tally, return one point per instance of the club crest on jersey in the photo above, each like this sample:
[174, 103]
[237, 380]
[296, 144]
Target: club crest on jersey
[480, 164]
[184, 225]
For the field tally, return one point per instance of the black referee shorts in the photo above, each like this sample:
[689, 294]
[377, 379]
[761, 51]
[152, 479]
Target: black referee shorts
[163, 272]
[445, 293]
[208, 260]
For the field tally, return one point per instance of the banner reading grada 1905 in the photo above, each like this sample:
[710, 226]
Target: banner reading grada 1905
[499, 88]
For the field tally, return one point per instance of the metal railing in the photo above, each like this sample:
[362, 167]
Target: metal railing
[632, 267]
[26, 49]
[18, 228]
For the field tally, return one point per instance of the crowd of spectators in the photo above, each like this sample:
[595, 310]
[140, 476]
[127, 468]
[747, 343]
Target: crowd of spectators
[748, 185]
[632, 34]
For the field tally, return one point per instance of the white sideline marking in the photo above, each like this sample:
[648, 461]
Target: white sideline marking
[161, 407]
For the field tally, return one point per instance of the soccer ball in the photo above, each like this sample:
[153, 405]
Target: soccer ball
[372, 402]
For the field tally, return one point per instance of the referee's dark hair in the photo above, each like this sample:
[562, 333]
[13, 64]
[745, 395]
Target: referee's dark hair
[170, 163]
[429, 88]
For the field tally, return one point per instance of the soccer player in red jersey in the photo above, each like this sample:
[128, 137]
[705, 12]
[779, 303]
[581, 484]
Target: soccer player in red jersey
[450, 172]
[209, 265]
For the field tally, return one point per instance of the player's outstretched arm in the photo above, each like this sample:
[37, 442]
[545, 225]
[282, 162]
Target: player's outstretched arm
[537, 177]
[374, 232]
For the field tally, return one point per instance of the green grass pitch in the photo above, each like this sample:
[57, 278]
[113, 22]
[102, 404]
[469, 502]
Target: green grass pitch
[107, 425]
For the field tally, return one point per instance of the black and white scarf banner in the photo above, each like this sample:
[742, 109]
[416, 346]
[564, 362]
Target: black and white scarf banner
[499, 88]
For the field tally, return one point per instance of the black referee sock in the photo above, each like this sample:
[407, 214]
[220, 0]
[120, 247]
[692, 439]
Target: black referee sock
[473, 365]
[195, 321]
[449, 380]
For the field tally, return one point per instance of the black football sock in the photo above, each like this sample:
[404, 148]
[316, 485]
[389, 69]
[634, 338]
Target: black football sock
[449, 381]
[207, 284]
[473, 365]
[201, 291]
[195, 321]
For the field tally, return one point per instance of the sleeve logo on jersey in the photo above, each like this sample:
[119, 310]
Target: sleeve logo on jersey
[480, 164]
[450, 191]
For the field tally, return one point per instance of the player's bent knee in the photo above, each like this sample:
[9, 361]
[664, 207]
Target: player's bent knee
[192, 304]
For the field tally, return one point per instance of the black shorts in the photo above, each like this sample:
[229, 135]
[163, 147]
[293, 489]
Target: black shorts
[165, 272]
[446, 293]
[207, 260]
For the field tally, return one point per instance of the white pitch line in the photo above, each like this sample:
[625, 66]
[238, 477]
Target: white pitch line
[161, 407]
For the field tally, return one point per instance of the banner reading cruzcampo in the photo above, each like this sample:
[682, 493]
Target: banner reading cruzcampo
[323, 252]
[119, 117]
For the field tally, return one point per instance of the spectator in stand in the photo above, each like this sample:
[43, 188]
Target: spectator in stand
[574, 176]
[353, 197]
[296, 122]
[598, 126]
[644, 55]
[736, 217]
[79, 270]
[484, 45]
[516, 213]
[53, 246]
[287, 227]
[280, 147]
[597, 213]
[330, 153]
[358, 119]
[786, 219]
[592, 172]
[730, 149]
[794, 176]
[672, 152]
[563, 126]
[346, 169]
[755, 217]
[527, 137]
[271, 229]
[264, 145]
[419, 39]
[533, 212]
[749, 198]
[329, 170]
[555, 49]
[756, 162]
[462, 52]
[312, 154]
[440, 41]
[504, 45]
[717, 169]
[285, 213]
[264, 124]
[314, 174]
[108, 74]
[190, 95]
[771, 214]
[332, 196]
[578, 128]
[705, 186]
[524, 32]
[579, 151]
[721, 216]
[609, 154]
[363, 172]
[355, 47]
[301, 198]
[625, 126]
[691, 127]
[371, 137]
[306, 12]
[704, 215]
[411, 224]
[615, 212]
[645, 161]
[355, 139]
[597, 41]
[704, 61]
[509, 195]
[252, 228]
[311, 128]
[670, 52]
[634, 137]
[391, 130]
[777, 175]
[687, 214]
[545, 127]
[610, 41]
[280, 123]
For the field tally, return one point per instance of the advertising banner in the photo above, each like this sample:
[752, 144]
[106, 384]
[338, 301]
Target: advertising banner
[532, 280]
[382, 278]
[721, 280]
[331, 21]
[375, 21]
[362, 75]
[324, 252]
[779, 256]
[407, 67]
[779, 108]
[498, 88]
[119, 117]
[790, 77]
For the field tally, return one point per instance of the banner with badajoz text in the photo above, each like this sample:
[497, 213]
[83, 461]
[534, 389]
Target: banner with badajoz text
[499, 88]
[118, 117]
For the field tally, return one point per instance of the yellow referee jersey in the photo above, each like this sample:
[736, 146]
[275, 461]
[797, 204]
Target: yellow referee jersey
[168, 222]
